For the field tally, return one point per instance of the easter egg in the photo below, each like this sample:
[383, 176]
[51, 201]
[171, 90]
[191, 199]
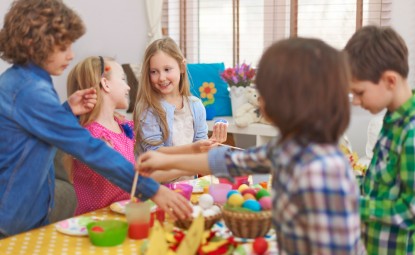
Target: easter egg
[262, 193]
[236, 200]
[242, 187]
[257, 186]
[252, 205]
[205, 201]
[266, 203]
[231, 192]
[260, 245]
[248, 191]
[248, 196]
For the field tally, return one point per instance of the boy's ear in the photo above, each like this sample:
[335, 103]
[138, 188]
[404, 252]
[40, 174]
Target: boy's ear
[390, 79]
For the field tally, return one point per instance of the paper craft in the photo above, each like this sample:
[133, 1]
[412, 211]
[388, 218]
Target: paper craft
[157, 243]
[193, 238]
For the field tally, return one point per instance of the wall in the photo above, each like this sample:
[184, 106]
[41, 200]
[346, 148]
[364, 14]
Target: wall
[114, 28]
[118, 29]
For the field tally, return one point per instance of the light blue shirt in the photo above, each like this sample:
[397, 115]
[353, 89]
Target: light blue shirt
[32, 123]
[151, 130]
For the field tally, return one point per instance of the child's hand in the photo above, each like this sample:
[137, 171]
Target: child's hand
[82, 101]
[203, 145]
[150, 162]
[220, 132]
[172, 203]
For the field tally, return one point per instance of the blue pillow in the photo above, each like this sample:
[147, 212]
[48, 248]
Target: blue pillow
[200, 74]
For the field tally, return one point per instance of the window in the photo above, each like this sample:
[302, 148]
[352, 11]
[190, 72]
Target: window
[236, 31]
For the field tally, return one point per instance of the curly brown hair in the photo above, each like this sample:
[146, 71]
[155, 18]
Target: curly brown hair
[34, 28]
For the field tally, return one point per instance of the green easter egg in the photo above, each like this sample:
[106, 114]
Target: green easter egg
[262, 193]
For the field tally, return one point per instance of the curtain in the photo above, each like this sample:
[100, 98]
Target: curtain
[154, 10]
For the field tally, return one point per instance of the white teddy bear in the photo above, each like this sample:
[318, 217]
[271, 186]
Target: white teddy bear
[249, 112]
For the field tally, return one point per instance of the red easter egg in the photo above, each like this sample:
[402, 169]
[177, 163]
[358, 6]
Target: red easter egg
[260, 245]
[97, 229]
[249, 191]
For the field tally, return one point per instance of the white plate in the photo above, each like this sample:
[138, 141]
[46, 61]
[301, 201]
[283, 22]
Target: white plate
[75, 226]
[119, 207]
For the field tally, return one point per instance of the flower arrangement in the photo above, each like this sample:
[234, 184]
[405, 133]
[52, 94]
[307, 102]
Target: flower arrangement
[239, 76]
[207, 92]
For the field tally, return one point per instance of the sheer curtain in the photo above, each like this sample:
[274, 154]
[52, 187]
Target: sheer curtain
[154, 11]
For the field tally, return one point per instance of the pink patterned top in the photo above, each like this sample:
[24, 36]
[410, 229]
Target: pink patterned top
[93, 191]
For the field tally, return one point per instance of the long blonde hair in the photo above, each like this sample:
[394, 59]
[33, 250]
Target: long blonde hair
[148, 97]
[87, 74]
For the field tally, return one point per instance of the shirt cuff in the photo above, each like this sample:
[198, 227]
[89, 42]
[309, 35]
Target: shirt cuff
[217, 163]
[146, 188]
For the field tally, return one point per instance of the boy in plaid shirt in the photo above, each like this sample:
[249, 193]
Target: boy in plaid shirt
[379, 62]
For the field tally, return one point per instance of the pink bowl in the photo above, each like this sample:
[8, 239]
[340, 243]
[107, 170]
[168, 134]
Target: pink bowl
[182, 188]
[219, 191]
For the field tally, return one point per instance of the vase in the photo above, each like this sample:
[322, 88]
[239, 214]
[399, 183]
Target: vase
[237, 98]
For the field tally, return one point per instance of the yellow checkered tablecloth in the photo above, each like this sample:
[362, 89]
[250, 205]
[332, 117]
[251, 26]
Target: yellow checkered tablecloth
[47, 240]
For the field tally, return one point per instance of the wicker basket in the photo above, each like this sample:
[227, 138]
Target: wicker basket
[247, 224]
[209, 222]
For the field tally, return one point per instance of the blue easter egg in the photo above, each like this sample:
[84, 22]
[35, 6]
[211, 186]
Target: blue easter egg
[231, 192]
[252, 205]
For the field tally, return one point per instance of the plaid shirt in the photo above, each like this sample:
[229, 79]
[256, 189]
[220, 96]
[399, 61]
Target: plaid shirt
[315, 194]
[388, 201]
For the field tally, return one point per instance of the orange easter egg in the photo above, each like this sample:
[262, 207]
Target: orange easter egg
[248, 196]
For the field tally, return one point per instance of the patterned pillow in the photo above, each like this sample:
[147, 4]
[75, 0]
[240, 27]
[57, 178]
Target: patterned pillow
[205, 83]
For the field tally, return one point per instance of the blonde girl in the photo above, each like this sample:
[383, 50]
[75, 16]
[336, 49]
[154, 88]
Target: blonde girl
[166, 113]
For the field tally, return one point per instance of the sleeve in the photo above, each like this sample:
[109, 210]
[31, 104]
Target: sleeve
[45, 118]
[151, 132]
[400, 211]
[201, 127]
[326, 206]
[223, 162]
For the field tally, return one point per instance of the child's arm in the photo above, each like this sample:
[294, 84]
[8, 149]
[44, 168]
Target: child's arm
[221, 162]
[82, 101]
[168, 176]
[152, 161]
[196, 147]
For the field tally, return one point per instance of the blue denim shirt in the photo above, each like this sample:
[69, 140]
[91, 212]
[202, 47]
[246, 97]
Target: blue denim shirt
[33, 123]
[151, 129]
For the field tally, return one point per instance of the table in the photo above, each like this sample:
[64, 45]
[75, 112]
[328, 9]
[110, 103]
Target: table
[46, 240]
[262, 132]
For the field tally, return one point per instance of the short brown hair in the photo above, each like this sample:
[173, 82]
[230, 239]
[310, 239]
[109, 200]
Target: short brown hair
[373, 50]
[34, 28]
[304, 84]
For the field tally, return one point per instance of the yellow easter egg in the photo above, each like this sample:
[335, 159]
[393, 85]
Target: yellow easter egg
[236, 200]
[248, 196]
[243, 187]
